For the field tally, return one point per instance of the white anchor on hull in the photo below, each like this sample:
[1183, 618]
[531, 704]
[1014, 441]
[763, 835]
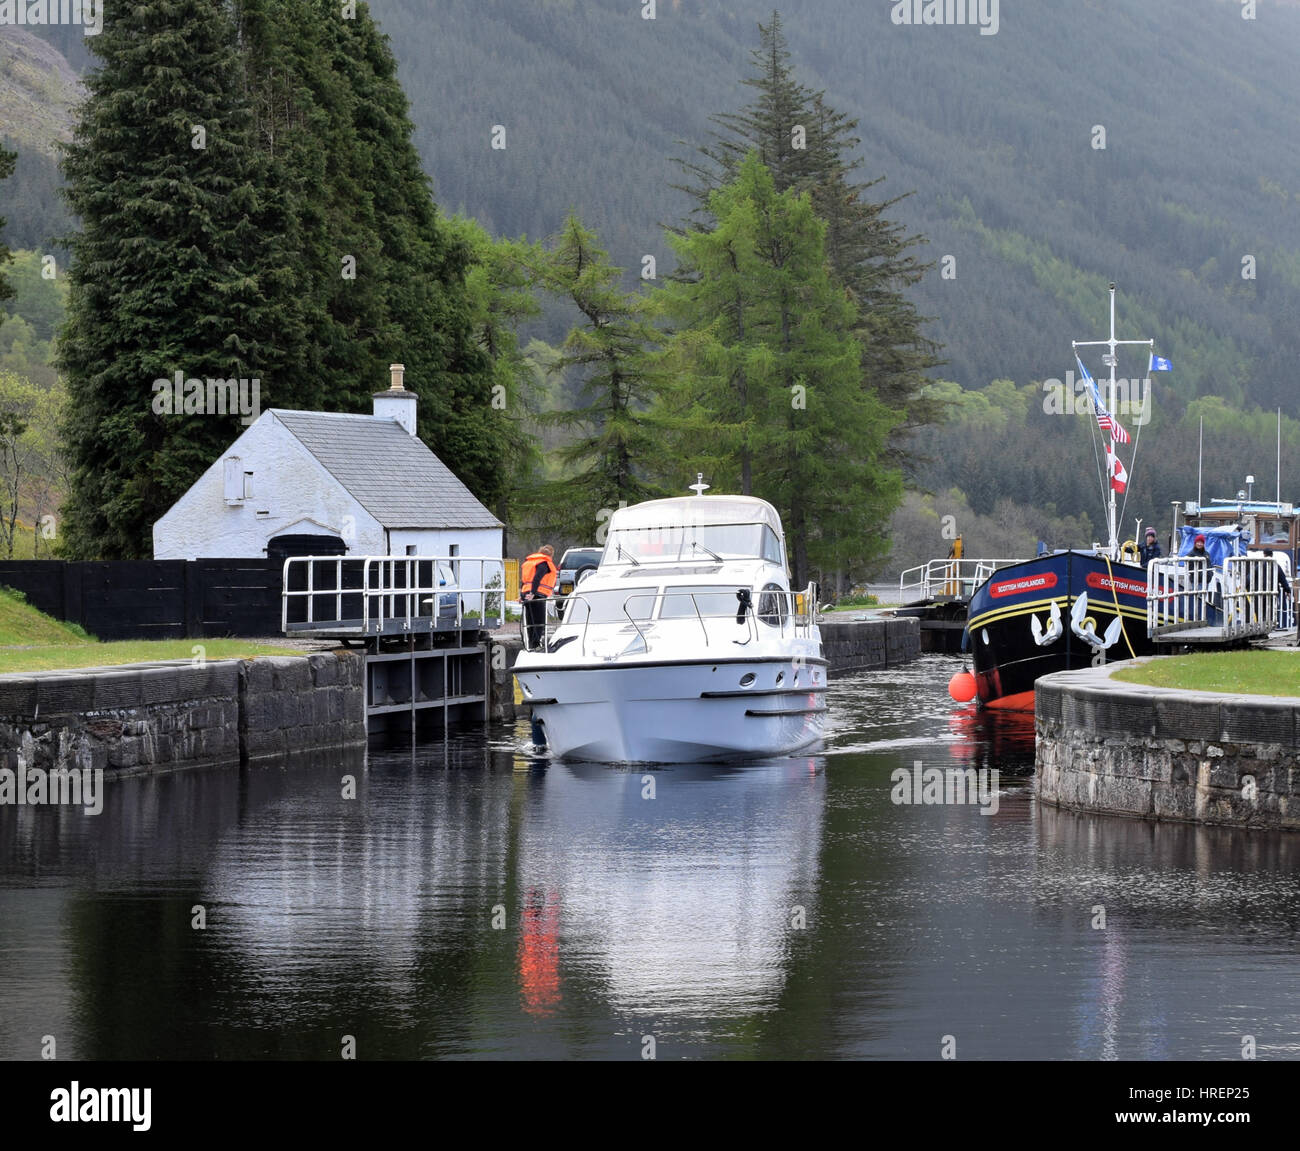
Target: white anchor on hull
[1086, 631]
[1055, 628]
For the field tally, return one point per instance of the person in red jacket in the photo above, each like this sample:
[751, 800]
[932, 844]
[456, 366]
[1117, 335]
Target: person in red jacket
[537, 576]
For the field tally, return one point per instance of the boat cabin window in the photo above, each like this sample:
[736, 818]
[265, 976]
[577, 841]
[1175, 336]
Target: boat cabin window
[694, 543]
[608, 606]
[1272, 533]
[773, 605]
[710, 600]
[772, 547]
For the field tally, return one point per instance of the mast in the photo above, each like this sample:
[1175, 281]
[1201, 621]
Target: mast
[1110, 360]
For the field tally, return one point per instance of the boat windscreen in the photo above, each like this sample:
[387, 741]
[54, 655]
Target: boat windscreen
[608, 606]
[708, 600]
[693, 542]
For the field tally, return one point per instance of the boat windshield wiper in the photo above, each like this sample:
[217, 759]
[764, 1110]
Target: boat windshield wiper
[629, 556]
[700, 547]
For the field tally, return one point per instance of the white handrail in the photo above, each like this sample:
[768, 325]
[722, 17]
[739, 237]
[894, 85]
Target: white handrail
[1247, 598]
[951, 577]
[391, 594]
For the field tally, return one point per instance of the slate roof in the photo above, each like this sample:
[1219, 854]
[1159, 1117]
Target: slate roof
[391, 474]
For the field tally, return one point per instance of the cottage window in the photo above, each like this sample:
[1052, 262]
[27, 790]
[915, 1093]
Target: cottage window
[234, 480]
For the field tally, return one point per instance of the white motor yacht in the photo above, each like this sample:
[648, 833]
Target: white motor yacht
[685, 644]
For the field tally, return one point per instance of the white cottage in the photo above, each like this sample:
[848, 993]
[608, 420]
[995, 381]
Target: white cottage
[322, 483]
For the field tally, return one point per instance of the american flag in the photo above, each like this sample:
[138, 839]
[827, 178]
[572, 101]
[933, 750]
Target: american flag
[1105, 420]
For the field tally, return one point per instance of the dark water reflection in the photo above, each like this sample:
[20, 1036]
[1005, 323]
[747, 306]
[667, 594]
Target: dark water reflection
[473, 902]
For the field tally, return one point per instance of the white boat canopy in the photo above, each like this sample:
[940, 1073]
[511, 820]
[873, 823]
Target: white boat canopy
[697, 511]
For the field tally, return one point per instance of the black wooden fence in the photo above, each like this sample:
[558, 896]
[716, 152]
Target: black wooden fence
[155, 599]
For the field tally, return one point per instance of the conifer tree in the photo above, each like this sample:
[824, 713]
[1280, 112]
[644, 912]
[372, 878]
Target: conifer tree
[611, 351]
[768, 372]
[253, 207]
[809, 146]
[172, 270]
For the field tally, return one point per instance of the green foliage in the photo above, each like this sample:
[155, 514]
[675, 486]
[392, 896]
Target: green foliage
[33, 475]
[809, 146]
[38, 297]
[293, 241]
[767, 390]
[499, 297]
[609, 352]
[174, 268]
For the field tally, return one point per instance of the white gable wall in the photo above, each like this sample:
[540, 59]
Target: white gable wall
[289, 488]
[439, 541]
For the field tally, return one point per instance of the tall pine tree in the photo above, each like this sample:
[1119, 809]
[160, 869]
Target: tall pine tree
[252, 206]
[611, 352]
[172, 270]
[809, 146]
[768, 376]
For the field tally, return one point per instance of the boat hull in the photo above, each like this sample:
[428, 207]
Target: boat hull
[1007, 659]
[679, 711]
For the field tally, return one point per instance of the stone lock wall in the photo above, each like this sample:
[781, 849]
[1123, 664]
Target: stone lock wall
[1203, 757]
[150, 716]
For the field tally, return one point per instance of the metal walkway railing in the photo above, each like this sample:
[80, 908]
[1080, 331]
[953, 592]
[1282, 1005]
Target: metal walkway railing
[391, 595]
[1249, 597]
[952, 578]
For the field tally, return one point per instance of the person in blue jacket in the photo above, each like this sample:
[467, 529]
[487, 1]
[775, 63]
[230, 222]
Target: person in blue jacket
[1151, 549]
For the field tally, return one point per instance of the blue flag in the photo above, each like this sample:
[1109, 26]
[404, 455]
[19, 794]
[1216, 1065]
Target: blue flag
[1160, 364]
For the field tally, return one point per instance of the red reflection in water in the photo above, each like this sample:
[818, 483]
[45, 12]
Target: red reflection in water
[990, 738]
[539, 952]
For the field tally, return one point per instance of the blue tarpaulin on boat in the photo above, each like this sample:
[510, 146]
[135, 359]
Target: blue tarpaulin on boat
[1219, 542]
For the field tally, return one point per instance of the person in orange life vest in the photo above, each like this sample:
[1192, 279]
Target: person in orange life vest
[536, 583]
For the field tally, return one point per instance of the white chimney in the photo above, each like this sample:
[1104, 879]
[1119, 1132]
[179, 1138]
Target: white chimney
[397, 403]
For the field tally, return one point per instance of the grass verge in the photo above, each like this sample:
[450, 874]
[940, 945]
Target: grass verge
[1250, 672]
[32, 641]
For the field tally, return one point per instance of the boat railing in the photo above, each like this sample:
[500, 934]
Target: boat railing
[948, 578]
[791, 614]
[390, 595]
[1248, 597]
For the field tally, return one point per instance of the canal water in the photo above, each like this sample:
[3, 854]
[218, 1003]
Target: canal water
[473, 901]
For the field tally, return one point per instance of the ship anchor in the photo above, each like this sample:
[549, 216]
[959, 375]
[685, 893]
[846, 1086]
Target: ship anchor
[1086, 631]
[1055, 628]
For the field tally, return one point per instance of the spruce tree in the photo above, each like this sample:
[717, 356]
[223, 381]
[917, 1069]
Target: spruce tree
[769, 368]
[611, 352]
[172, 270]
[385, 276]
[809, 146]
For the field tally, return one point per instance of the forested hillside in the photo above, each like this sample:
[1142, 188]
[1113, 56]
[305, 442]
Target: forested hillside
[1141, 141]
[994, 134]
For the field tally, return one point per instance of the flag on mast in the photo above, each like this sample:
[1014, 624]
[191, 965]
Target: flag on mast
[1159, 364]
[1118, 474]
[1105, 420]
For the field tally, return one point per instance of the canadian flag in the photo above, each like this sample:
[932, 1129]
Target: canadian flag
[1118, 476]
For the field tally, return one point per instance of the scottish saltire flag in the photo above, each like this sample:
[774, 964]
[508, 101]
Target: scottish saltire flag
[1159, 364]
[1105, 420]
[1118, 473]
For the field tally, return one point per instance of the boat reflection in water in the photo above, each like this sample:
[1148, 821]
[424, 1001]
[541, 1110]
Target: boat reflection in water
[668, 893]
[677, 889]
